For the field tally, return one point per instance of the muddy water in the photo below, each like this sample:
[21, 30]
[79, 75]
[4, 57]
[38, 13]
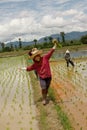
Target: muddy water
[70, 86]
[17, 108]
[74, 54]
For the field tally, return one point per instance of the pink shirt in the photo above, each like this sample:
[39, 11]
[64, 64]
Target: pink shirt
[42, 68]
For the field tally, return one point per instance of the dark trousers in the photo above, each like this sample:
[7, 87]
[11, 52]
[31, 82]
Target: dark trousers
[45, 83]
[71, 62]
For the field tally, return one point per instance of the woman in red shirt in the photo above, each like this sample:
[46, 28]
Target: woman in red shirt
[42, 67]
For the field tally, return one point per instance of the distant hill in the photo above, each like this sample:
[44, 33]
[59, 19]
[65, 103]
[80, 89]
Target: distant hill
[75, 35]
[16, 43]
[68, 36]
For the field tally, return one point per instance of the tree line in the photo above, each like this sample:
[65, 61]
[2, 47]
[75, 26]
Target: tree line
[47, 43]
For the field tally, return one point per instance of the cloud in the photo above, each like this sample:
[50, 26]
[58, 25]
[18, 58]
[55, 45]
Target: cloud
[50, 21]
[34, 19]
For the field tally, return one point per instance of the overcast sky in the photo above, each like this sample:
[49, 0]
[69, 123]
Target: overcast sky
[33, 19]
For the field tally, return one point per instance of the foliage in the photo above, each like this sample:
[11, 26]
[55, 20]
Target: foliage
[2, 45]
[35, 41]
[46, 44]
[64, 119]
[20, 43]
[71, 43]
[6, 49]
[84, 39]
[63, 36]
[62, 116]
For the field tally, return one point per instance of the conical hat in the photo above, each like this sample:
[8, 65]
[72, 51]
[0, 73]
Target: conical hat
[67, 51]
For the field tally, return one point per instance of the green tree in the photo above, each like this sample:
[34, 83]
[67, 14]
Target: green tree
[2, 45]
[35, 41]
[20, 43]
[11, 46]
[15, 47]
[50, 39]
[6, 49]
[84, 39]
[45, 39]
[62, 36]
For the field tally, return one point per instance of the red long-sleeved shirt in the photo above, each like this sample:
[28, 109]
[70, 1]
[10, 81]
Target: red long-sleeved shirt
[42, 68]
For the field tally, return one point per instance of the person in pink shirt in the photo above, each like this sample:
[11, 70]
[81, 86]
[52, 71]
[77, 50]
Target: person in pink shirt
[42, 67]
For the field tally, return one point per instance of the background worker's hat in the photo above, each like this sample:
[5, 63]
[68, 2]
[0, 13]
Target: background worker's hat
[34, 52]
[67, 51]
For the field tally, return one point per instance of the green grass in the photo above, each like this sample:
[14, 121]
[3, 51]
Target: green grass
[43, 119]
[52, 95]
[61, 114]
[63, 118]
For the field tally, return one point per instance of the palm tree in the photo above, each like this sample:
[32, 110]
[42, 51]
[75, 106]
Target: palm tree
[20, 43]
[63, 36]
[35, 41]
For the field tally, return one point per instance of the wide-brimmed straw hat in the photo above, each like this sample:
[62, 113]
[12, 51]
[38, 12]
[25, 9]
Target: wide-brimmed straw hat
[34, 52]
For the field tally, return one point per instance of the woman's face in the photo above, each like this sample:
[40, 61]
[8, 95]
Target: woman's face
[37, 58]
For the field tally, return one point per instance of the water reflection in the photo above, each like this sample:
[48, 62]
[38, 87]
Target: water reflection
[74, 54]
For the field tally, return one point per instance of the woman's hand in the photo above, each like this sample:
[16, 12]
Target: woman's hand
[55, 42]
[23, 68]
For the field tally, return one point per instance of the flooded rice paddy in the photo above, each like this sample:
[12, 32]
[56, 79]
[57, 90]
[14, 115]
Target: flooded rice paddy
[70, 85]
[17, 108]
[74, 54]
